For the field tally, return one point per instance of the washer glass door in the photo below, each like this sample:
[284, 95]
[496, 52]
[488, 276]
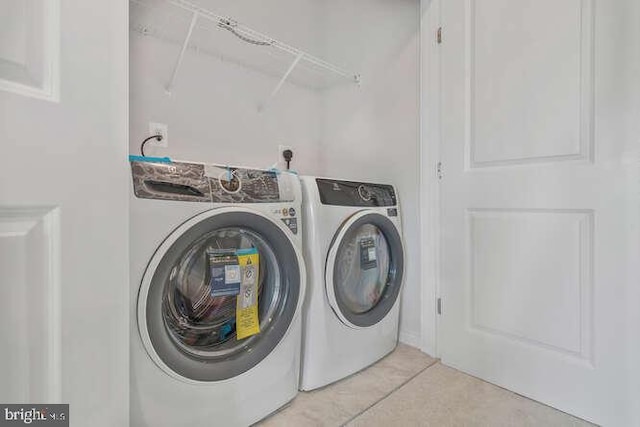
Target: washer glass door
[192, 332]
[365, 269]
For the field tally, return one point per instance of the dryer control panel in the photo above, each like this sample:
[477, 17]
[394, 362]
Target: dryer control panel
[349, 193]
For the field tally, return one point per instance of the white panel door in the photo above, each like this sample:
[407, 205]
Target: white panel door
[540, 200]
[64, 207]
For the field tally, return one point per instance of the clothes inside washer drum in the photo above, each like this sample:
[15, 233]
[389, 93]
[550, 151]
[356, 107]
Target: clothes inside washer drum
[201, 324]
[360, 286]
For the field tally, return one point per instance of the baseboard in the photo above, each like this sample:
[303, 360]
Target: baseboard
[410, 339]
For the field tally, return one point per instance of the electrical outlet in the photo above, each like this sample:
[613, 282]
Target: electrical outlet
[159, 129]
[281, 162]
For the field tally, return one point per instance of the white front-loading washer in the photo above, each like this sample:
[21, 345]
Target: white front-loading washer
[355, 262]
[188, 366]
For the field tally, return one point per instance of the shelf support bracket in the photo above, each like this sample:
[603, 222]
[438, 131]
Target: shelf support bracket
[185, 45]
[284, 78]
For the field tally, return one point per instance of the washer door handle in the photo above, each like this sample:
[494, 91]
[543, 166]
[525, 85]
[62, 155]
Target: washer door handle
[173, 188]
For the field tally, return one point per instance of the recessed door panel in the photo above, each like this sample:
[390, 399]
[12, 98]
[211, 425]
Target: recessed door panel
[530, 81]
[30, 48]
[30, 305]
[531, 277]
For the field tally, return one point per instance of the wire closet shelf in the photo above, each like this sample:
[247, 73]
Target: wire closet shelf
[250, 36]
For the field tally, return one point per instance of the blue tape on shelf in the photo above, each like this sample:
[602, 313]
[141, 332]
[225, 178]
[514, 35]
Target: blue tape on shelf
[279, 171]
[150, 159]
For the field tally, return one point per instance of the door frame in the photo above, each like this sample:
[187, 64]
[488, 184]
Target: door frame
[430, 173]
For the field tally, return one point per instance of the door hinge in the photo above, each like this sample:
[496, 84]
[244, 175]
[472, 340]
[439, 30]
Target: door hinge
[439, 306]
[439, 170]
[439, 35]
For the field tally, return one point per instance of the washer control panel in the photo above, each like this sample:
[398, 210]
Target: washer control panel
[364, 193]
[348, 193]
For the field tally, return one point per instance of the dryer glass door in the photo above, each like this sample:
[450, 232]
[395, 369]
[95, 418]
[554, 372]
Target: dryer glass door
[364, 269]
[191, 330]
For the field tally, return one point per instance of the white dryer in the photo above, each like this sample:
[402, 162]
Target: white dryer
[355, 262]
[188, 366]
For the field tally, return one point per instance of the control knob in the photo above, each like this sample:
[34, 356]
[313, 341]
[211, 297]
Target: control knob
[364, 193]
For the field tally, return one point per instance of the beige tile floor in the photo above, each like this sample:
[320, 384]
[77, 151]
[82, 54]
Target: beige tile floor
[409, 388]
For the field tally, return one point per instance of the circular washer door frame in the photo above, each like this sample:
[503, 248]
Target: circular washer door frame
[164, 248]
[395, 242]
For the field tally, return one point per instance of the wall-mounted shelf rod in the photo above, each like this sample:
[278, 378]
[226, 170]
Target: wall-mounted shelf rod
[254, 37]
[281, 82]
[185, 45]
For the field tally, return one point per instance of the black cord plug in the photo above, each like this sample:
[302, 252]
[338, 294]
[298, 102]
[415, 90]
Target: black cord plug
[157, 137]
[288, 155]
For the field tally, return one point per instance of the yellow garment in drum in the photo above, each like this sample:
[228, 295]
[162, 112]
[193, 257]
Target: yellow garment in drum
[247, 322]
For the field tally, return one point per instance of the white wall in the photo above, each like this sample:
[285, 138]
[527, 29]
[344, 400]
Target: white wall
[371, 132]
[212, 113]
